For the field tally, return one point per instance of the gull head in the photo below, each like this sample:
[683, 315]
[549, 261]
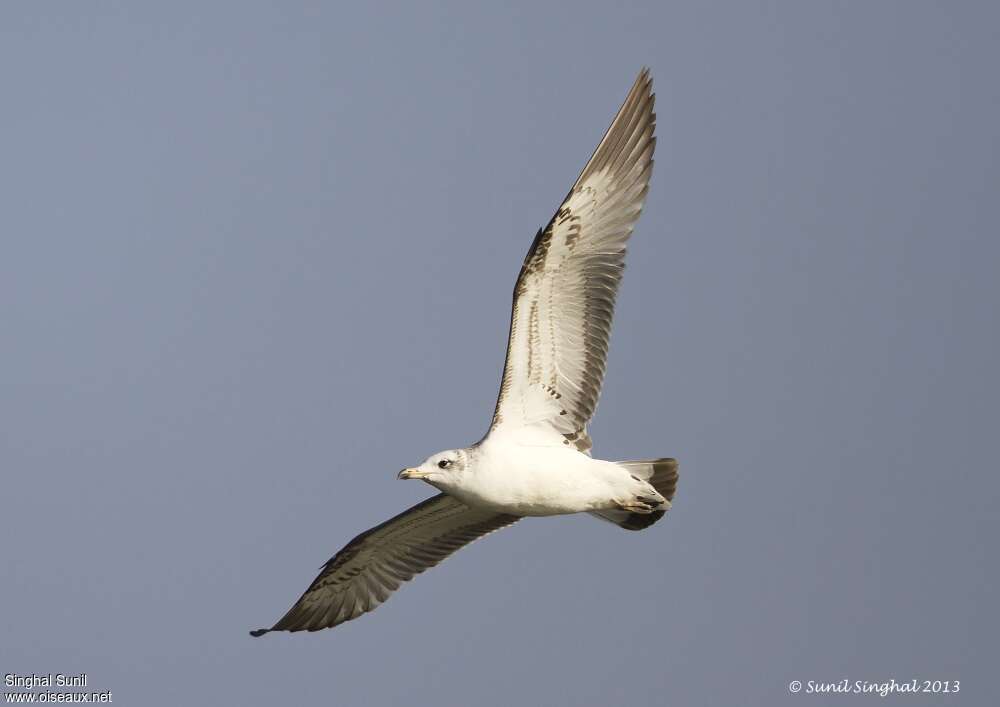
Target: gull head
[439, 469]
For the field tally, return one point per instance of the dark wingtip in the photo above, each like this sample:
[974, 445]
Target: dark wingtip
[260, 632]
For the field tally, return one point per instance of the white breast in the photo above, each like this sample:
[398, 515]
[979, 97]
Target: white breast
[540, 480]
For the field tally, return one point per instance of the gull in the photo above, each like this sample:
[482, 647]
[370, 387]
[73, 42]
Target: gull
[535, 459]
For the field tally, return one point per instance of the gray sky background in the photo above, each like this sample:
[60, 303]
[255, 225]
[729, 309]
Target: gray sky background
[255, 258]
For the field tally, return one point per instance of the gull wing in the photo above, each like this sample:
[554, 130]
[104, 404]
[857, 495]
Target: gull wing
[564, 298]
[374, 564]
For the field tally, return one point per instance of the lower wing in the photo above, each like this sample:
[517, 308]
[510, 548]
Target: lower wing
[373, 565]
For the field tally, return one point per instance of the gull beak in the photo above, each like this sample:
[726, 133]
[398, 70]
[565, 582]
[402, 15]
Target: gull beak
[411, 474]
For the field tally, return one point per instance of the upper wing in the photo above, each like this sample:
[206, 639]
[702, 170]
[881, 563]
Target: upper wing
[373, 565]
[565, 294]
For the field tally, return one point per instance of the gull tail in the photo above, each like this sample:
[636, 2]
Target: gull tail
[661, 475]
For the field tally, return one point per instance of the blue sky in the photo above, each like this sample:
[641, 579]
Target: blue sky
[256, 258]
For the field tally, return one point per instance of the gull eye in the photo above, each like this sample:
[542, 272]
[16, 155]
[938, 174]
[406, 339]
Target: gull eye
[444, 463]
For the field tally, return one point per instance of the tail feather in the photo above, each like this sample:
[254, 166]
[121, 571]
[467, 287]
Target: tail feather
[662, 475]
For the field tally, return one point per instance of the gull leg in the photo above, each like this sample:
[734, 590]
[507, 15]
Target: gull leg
[642, 504]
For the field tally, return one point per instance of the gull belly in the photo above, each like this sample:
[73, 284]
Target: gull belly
[529, 480]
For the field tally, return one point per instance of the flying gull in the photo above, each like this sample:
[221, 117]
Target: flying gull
[535, 459]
